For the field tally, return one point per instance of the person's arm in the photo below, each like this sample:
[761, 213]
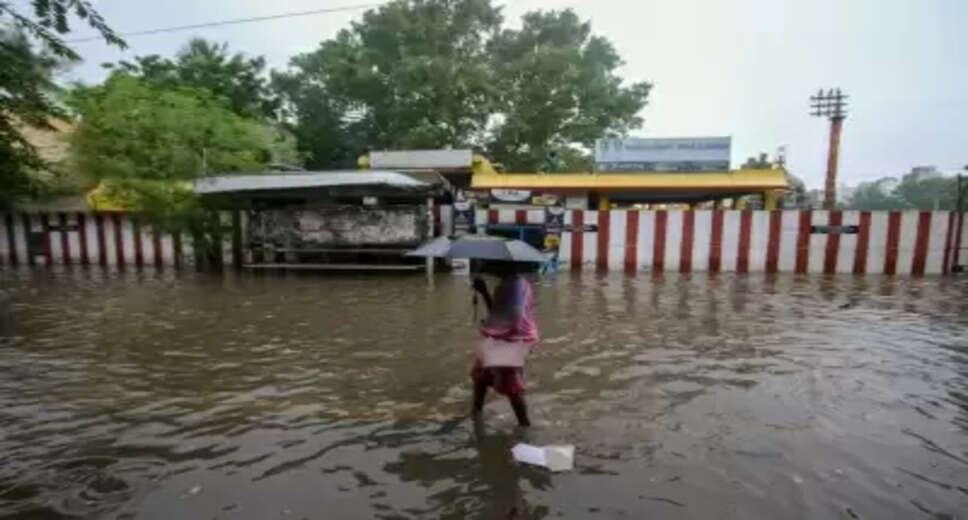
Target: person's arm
[519, 296]
[481, 287]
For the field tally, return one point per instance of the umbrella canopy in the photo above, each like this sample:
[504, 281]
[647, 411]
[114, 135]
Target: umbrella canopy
[480, 247]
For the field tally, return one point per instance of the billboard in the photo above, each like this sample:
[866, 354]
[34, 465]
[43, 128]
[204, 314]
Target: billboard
[420, 159]
[463, 217]
[670, 154]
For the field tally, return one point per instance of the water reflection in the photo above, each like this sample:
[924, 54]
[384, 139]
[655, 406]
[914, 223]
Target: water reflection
[146, 395]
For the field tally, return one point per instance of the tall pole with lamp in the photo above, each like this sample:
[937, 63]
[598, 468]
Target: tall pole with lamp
[832, 105]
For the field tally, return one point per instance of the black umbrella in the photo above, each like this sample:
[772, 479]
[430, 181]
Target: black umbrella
[480, 247]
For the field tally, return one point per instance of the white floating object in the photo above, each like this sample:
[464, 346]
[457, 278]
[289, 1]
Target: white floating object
[555, 457]
[560, 458]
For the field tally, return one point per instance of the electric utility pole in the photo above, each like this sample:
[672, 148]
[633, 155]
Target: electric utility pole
[832, 105]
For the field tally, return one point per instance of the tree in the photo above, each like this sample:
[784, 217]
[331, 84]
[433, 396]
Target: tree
[133, 129]
[913, 191]
[760, 162]
[54, 14]
[439, 73]
[411, 74]
[876, 195]
[317, 121]
[798, 191]
[26, 83]
[927, 192]
[144, 142]
[557, 87]
[237, 80]
[26, 88]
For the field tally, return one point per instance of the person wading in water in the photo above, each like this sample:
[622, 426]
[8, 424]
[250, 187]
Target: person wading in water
[509, 332]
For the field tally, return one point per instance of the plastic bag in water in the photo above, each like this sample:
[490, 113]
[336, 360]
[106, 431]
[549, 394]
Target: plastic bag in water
[560, 457]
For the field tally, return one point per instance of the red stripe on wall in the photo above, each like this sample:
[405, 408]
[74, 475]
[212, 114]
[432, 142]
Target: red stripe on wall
[435, 213]
[631, 241]
[176, 245]
[492, 216]
[893, 237]
[520, 217]
[773, 244]
[603, 231]
[946, 264]
[65, 240]
[743, 245]
[659, 240]
[237, 253]
[118, 240]
[716, 242]
[832, 250]
[803, 242]
[685, 248]
[956, 250]
[31, 259]
[577, 238]
[156, 245]
[11, 241]
[48, 254]
[863, 241]
[139, 259]
[82, 238]
[921, 243]
[102, 246]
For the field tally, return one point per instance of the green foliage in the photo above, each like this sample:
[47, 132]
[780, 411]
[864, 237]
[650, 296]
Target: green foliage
[913, 191]
[145, 141]
[927, 193]
[877, 195]
[438, 73]
[797, 197]
[27, 88]
[760, 162]
[172, 207]
[316, 120]
[26, 91]
[235, 79]
[411, 74]
[133, 129]
[557, 86]
[51, 19]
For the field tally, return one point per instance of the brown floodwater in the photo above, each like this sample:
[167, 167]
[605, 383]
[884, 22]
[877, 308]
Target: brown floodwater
[150, 396]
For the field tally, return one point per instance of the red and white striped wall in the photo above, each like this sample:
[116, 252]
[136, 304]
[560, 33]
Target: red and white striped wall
[116, 240]
[887, 242]
[896, 242]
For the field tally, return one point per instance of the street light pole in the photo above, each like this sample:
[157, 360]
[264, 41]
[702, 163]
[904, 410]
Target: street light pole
[832, 105]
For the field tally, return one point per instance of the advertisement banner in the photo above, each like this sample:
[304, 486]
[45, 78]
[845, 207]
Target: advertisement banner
[662, 154]
[546, 199]
[506, 195]
[463, 212]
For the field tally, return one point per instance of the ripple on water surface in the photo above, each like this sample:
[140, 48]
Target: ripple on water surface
[154, 396]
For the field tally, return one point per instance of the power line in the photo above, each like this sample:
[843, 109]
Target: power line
[231, 22]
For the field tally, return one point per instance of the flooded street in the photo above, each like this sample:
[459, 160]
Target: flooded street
[160, 396]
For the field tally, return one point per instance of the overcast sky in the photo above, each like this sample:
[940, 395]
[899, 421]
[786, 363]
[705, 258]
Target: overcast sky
[739, 68]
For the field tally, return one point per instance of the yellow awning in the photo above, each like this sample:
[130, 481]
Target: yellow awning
[735, 181]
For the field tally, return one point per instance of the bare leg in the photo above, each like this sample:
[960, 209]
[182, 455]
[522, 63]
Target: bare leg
[480, 391]
[520, 409]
